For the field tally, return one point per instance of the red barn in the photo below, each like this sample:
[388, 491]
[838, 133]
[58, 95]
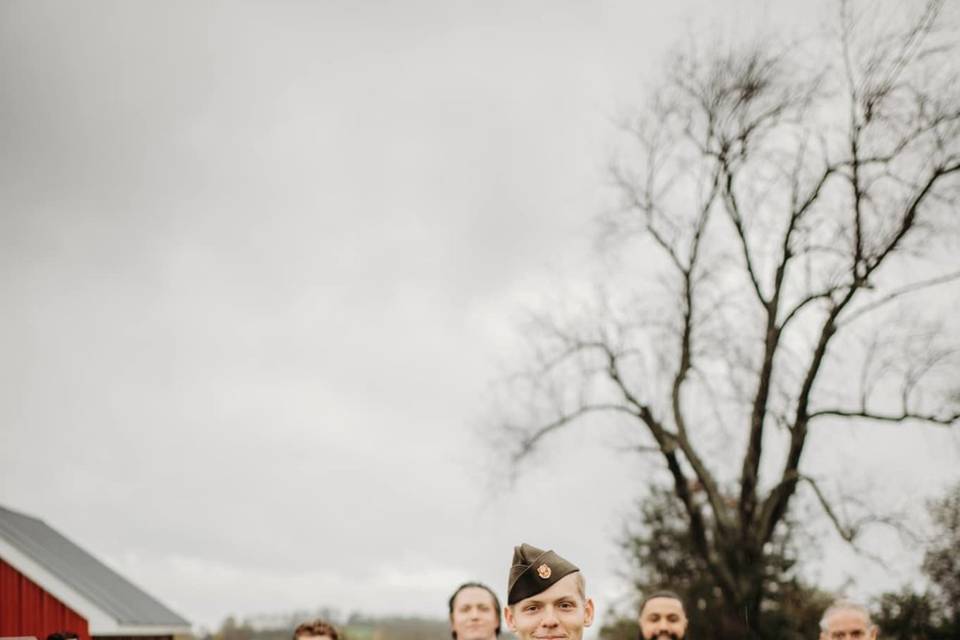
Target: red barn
[49, 584]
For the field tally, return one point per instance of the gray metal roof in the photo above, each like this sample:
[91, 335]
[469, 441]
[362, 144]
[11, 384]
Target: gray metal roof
[100, 584]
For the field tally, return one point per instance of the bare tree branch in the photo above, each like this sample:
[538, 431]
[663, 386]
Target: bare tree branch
[945, 420]
[529, 441]
[894, 295]
[846, 532]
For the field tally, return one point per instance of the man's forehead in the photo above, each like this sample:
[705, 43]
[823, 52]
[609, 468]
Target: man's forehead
[845, 618]
[662, 604]
[472, 595]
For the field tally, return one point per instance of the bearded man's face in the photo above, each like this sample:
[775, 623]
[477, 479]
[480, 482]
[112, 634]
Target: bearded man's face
[663, 619]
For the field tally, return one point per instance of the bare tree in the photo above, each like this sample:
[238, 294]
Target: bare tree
[791, 199]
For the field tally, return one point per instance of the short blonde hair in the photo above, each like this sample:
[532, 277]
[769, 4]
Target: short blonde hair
[582, 586]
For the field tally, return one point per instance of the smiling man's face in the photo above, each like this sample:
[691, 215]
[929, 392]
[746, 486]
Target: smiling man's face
[663, 618]
[559, 613]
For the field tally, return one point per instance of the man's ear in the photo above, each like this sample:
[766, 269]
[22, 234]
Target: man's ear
[588, 611]
[508, 617]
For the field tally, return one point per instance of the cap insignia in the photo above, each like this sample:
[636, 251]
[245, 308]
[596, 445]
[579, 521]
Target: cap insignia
[544, 571]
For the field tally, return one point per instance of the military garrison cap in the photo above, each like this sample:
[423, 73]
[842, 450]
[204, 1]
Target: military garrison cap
[534, 571]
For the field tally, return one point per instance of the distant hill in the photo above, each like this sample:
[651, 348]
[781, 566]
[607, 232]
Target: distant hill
[356, 627]
[397, 629]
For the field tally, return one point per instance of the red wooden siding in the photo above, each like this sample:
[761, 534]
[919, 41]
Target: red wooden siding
[28, 610]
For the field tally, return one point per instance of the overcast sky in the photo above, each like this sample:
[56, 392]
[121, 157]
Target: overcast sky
[259, 262]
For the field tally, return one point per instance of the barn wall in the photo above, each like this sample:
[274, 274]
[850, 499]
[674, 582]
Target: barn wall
[28, 610]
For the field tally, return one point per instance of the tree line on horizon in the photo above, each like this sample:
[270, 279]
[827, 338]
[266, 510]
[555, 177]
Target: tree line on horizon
[356, 626]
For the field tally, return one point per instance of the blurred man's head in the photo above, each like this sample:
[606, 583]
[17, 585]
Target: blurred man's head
[316, 630]
[847, 620]
[546, 597]
[474, 612]
[662, 617]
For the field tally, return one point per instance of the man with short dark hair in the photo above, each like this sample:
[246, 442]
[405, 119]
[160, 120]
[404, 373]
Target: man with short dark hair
[316, 630]
[662, 617]
[546, 596]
